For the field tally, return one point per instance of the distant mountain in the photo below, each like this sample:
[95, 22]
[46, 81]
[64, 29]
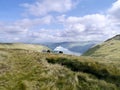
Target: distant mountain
[108, 49]
[76, 47]
[66, 51]
[33, 47]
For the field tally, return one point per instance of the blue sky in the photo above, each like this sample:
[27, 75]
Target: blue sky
[36, 21]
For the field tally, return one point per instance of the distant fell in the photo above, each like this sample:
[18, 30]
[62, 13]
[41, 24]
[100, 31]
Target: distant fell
[108, 49]
[76, 47]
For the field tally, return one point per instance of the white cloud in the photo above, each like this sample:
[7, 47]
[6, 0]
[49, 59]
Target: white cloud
[82, 28]
[24, 25]
[43, 7]
[78, 27]
[89, 25]
[115, 10]
[19, 30]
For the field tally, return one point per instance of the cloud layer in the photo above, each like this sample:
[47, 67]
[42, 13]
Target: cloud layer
[81, 28]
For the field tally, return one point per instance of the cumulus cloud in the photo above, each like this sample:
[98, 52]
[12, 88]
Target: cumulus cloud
[115, 10]
[43, 7]
[89, 27]
[24, 25]
[20, 30]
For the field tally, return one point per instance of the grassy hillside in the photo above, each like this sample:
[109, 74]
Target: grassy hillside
[27, 70]
[32, 47]
[109, 49]
[107, 52]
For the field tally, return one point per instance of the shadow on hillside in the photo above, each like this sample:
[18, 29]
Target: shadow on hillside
[101, 71]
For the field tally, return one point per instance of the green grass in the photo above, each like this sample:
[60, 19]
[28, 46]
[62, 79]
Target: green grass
[28, 70]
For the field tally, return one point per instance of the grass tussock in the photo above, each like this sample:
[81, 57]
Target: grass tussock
[99, 70]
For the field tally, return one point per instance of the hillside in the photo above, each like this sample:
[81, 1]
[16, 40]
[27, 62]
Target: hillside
[107, 49]
[107, 52]
[27, 70]
[33, 47]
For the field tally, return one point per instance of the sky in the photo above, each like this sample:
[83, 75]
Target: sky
[36, 21]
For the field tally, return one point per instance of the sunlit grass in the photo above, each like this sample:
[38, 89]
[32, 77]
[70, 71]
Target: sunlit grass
[28, 70]
[109, 49]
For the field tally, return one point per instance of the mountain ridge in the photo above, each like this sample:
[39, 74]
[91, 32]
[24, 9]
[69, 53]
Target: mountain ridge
[108, 49]
[116, 37]
[78, 47]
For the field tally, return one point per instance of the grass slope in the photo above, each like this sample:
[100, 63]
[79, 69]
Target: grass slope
[27, 70]
[108, 52]
[32, 47]
[109, 49]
